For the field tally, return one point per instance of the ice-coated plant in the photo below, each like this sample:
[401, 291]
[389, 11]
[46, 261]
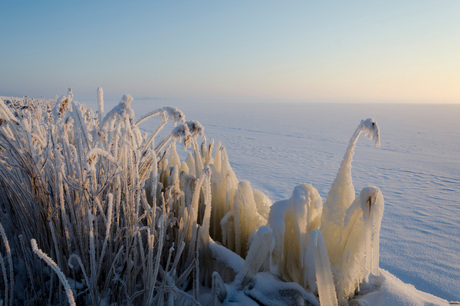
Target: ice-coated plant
[85, 188]
[97, 212]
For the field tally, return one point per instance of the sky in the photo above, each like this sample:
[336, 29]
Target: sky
[242, 51]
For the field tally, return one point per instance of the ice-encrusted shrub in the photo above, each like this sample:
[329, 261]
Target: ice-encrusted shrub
[98, 212]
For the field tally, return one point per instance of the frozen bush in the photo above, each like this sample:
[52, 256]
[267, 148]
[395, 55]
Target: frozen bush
[85, 190]
[98, 213]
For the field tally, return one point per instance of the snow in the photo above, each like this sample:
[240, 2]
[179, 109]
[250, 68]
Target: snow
[389, 290]
[224, 256]
[278, 146]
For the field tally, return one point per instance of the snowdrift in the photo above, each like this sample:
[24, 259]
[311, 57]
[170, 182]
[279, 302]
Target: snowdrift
[96, 212]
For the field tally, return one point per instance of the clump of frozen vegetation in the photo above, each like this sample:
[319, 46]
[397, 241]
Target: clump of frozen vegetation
[97, 212]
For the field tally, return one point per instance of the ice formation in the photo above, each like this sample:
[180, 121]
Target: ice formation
[292, 221]
[124, 219]
[340, 198]
[360, 241]
[342, 192]
[324, 281]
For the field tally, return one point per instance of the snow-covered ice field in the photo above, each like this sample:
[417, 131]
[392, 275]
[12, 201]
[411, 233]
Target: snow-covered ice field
[278, 146]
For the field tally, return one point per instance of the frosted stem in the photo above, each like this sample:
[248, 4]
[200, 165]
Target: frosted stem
[10, 264]
[100, 102]
[56, 270]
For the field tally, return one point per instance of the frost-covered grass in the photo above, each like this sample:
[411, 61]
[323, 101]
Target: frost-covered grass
[88, 192]
[98, 212]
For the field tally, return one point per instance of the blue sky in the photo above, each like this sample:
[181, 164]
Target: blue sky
[297, 51]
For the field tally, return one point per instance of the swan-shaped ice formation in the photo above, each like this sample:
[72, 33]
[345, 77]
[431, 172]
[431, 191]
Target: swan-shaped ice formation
[342, 193]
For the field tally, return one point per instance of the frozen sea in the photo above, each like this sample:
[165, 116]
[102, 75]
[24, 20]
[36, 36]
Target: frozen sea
[417, 167]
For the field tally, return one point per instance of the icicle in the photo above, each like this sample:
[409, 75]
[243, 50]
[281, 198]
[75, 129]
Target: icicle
[174, 159]
[227, 169]
[246, 217]
[218, 157]
[326, 288]
[257, 255]
[184, 167]
[208, 157]
[263, 203]
[191, 164]
[197, 156]
[194, 206]
[372, 215]
[173, 179]
[207, 202]
[218, 191]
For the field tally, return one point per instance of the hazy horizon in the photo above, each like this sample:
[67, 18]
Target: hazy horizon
[398, 52]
